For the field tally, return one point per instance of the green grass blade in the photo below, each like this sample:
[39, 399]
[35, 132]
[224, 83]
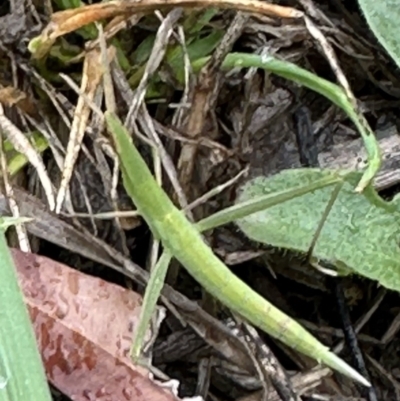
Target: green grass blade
[328, 89]
[153, 290]
[184, 242]
[22, 375]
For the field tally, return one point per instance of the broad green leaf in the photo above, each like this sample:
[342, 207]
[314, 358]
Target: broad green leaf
[361, 232]
[383, 18]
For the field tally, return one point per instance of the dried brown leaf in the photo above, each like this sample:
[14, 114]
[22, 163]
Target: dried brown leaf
[67, 21]
[84, 330]
[11, 96]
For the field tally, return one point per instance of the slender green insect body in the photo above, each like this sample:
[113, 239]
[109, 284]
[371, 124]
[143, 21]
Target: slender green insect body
[184, 242]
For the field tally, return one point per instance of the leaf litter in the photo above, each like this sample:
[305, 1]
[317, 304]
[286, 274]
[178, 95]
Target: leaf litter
[234, 115]
[84, 328]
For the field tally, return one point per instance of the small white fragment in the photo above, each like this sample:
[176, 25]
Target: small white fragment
[265, 58]
[3, 382]
[172, 385]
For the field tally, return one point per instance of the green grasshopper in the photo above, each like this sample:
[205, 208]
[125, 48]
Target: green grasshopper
[182, 240]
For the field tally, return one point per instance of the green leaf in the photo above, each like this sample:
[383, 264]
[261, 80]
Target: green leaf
[361, 232]
[15, 160]
[383, 19]
[22, 376]
[201, 47]
[153, 290]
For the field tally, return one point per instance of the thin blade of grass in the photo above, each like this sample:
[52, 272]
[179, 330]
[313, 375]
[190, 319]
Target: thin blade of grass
[328, 89]
[153, 290]
[22, 374]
